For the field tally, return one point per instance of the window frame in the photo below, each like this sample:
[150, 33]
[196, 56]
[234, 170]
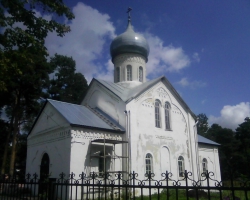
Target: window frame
[157, 113]
[129, 73]
[204, 165]
[140, 74]
[118, 75]
[149, 163]
[181, 166]
[167, 109]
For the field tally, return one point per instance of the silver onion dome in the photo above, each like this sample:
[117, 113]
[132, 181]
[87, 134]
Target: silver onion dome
[129, 42]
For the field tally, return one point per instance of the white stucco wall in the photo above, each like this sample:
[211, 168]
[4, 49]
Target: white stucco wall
[50, 135]
[210, 152]
[99, 96]
[69, 147]
[146, 138]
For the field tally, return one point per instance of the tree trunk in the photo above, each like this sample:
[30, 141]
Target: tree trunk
[15, 127]
[13, 149]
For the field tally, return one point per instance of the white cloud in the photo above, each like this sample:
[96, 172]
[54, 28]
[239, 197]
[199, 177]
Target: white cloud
[196, 57]
[46, 17]
[164, 58]
[184, 82]
[88, 44]
[203, 101]
[21, 25]
[232, 116]
[85, 43]
[107, 74]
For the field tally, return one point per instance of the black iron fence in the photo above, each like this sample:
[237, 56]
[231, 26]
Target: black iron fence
[122, 186]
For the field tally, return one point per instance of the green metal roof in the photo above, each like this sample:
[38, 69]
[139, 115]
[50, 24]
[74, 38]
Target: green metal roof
[127, 94]
[204, 140]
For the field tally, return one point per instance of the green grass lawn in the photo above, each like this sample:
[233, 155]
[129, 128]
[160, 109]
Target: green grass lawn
[181, 195]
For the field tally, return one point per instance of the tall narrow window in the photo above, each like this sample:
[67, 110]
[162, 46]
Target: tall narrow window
[129, 73]
[167, 116]
[118, 74]
[101, 163]
[181, 166]
[140, 74]
[149, 163]
[157, 114]
[204, 165]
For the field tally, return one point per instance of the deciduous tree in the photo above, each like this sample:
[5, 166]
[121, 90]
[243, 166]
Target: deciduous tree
[243, 136]
[23, 64]
[66, 85]
[202, 126]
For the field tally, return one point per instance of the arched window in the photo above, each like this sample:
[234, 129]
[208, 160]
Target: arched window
[118, 74]
[140, 74]
[44, 171]
[44, 168]
[167, 116]
[181, 166]
[129, 73]
[204, 165]
[149, 163]
[157, 114]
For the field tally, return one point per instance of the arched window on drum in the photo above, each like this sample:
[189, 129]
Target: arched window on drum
[140, 74]
[129, 73]
[118, 74]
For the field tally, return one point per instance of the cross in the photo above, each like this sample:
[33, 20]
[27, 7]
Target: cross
[128, 11]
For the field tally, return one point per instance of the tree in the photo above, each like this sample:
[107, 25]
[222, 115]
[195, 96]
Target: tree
[202, 126]
[23, 65]
[23, 29]
[66, 85]
[24, 91]
[228, 149]
[243, 136]
[20, 162]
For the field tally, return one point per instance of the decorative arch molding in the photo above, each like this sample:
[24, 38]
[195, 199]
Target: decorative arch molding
[90, 135]
[162, 93]
[176, 111]
[148, 102]
[128, 58]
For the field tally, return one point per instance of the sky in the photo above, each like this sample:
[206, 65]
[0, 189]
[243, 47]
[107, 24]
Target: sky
[202, 47]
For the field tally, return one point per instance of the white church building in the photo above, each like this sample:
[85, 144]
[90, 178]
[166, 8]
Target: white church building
[127, 125]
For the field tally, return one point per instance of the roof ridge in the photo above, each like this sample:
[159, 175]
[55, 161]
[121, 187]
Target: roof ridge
[64, 102]
[103, 118]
